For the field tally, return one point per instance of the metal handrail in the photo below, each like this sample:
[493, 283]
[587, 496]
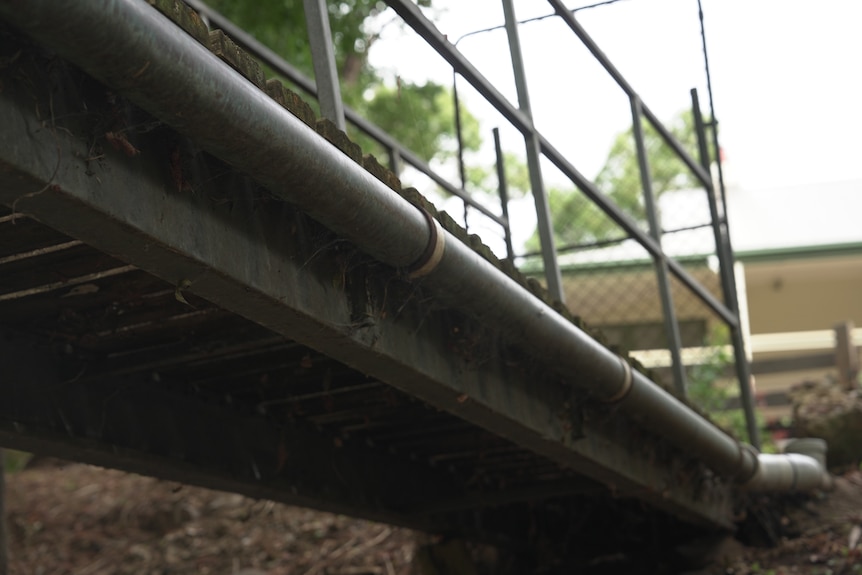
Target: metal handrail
[670, 140]
[414, 18]
[306, 84]
[728, 310]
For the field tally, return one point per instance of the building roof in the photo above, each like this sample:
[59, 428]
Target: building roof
[800, 216]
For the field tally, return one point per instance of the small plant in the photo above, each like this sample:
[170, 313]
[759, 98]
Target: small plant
[711, 389]
[15, 460]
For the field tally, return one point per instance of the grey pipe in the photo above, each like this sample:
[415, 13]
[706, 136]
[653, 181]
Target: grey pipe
[129, 46]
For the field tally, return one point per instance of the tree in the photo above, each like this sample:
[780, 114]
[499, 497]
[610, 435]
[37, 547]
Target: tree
[577, 220]
[420, 116]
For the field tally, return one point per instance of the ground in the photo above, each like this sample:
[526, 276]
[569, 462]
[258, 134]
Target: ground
[821, 535]
[84, 520]
[91, 521]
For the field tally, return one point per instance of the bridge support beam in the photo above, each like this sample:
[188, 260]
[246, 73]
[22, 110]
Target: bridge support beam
[228, 241]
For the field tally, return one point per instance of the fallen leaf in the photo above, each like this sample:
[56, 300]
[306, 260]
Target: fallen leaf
[855, 534]
[178, 293]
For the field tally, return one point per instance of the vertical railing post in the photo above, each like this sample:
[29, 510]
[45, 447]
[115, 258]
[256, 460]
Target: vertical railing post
[394, 160]
[846, 356]
[540, 196]
[728, 279]
[462, 170]
[323, 59]
[670, 322]
[504, 194]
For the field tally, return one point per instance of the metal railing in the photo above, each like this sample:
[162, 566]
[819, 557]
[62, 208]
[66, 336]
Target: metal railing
[397, 152]
[520, 118]
[537, 145]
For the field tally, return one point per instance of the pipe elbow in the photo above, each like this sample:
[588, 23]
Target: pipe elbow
[787, 472]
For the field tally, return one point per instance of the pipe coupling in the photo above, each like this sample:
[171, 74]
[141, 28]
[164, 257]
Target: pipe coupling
[626, 387]
[433, 253]
[748, 465]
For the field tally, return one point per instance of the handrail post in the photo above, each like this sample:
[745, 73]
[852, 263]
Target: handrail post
[323, 58]
[670, 322]
[395, 160]
[531, 140]
[504, 194]
[728, 279]
[459, 136]
[846, 356]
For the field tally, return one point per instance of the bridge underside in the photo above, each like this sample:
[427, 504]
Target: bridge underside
[162, 313]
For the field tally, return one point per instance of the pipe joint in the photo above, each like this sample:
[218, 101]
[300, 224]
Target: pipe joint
[749, 463]
[788, 472]
[433, 253]
[626, 387]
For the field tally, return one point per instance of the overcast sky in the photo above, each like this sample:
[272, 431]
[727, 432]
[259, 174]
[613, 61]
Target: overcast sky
[785, 75]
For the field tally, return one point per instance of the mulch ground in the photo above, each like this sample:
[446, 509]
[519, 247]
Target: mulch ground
[824, 538]
[84, 520]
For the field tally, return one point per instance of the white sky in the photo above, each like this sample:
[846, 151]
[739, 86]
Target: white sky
[786, 78]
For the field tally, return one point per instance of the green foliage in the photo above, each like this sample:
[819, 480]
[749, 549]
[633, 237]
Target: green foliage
[413, 112]
[482, 178]
[705, 385]
[620, 177]
[420, 116]
[576, 220]
[14, 460]
[710, 389]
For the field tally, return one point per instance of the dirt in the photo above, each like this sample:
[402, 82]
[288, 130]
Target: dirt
[825, 409]
[84, 520]
[821, 535]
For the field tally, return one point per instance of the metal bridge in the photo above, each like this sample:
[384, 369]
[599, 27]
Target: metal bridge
[199, 280]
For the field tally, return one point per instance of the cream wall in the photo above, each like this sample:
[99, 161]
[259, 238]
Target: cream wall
[795, 295]
[804, 294]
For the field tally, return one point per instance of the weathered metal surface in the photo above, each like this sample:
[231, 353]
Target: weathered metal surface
[215, 234]
[295, 167]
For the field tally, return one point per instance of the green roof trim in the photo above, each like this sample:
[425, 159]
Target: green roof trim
[640, 264]
[800, 252]
[752, 256]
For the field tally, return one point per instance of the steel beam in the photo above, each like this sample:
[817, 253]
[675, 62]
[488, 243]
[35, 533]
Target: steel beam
[226, 243]
[131, 424]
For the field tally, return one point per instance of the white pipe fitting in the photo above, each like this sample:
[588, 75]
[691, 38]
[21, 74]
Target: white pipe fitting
[788, 472]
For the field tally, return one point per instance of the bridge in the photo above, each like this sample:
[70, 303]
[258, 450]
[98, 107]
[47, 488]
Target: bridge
[201, 281]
